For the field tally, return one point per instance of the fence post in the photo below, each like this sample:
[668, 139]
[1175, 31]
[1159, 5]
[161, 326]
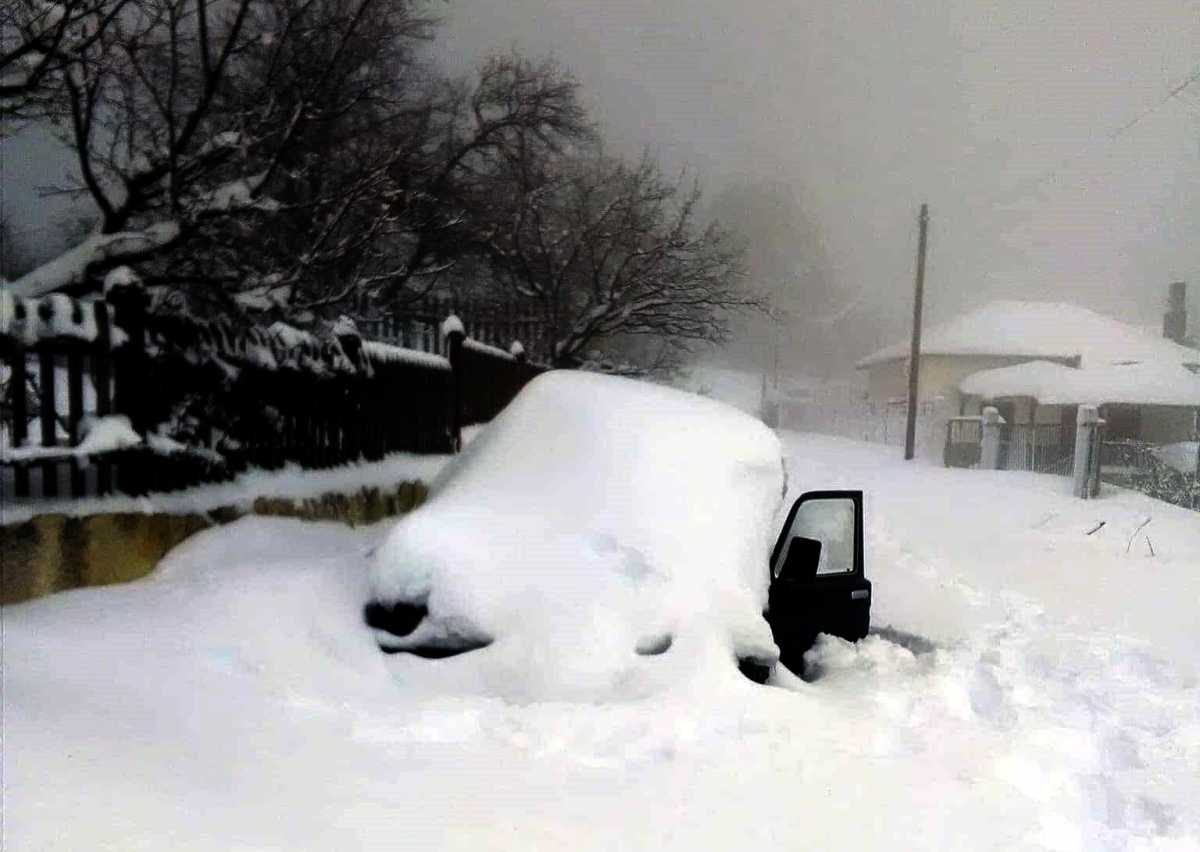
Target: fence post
[48, 413]
[1086, 451]
[454, 334]
[1097, 446]
[20, 424]
[129, 314]
[102, 382]
[989, 450]
[353, 420]
[129, 306]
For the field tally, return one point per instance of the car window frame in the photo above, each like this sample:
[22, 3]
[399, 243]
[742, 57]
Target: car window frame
[856, 497]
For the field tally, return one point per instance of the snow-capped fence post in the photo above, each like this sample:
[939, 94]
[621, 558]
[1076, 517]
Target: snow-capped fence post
[454, 335]
[128, 300]
[1087, 452]
[348, 431]
[48, 397]
[102, 382]
[75, 404]
[989, 453]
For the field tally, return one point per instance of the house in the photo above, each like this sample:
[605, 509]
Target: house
[1037, 361]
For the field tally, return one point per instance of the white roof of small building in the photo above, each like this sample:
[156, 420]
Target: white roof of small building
[1042, 330]
[1056, 384]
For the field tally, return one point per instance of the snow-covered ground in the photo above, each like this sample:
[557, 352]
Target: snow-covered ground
[1028, 686]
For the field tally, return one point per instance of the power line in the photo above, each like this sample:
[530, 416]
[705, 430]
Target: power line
[1173, 93]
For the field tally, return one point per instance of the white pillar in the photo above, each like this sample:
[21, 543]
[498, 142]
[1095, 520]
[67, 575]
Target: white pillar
[989, 451]
[1086, 422]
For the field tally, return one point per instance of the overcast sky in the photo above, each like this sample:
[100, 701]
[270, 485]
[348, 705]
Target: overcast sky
[1003, 116]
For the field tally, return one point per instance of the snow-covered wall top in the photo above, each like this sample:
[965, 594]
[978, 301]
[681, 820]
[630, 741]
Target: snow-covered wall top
[1056, 384]
[1041, 330]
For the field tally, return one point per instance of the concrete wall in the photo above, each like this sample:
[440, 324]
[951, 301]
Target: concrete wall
[51, 553]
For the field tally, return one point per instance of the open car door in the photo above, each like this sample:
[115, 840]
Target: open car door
[817, 579]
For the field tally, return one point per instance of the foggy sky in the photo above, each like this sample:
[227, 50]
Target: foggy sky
[1000, 115]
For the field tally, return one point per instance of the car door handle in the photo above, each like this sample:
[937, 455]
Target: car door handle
[859, 594]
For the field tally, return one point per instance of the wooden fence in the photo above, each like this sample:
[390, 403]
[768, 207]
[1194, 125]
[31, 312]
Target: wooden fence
[234, 397]
[417, 324]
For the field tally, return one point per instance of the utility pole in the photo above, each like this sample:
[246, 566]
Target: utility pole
[914, 355]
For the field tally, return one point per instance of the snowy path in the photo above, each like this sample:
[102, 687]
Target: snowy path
[1072, 658]
[1025, 691]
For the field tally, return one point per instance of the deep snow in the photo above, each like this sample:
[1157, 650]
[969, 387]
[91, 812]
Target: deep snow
[1028, 686]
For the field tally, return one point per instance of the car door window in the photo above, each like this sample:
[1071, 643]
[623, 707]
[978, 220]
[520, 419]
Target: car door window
[831, 522]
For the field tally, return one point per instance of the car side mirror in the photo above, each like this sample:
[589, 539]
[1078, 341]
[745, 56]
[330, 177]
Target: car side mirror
[803, 557]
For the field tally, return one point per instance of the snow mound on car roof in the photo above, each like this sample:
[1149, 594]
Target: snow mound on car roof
[601, 536]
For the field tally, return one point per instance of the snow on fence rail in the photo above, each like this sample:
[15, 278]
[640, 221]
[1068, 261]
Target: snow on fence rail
[418, 325]
[103, 395]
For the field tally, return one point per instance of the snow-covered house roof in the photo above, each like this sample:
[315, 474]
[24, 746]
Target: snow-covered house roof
[1042, 330]
[1056, 384]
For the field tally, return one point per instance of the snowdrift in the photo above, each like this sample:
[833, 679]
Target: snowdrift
[601, 538]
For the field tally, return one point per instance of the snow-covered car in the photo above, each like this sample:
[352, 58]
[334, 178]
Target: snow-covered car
[604, 535]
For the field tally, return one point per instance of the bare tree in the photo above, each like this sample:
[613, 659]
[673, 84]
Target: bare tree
[417, 208]
[613, 251]
[41, 42]
[190, 114]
